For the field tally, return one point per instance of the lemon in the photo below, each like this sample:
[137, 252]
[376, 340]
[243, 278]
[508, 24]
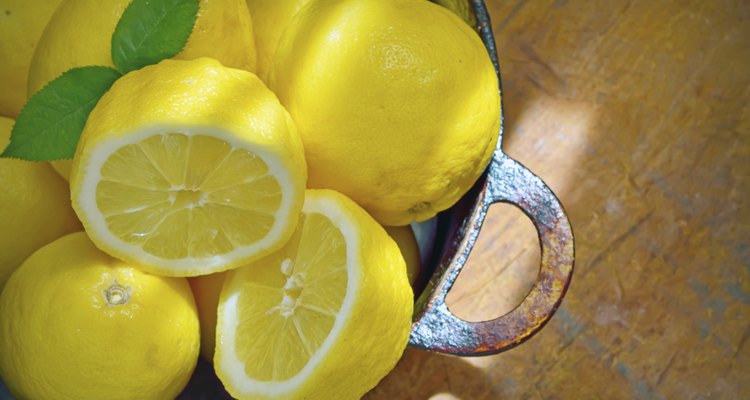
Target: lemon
[34, 207]
[21, 25]
[80, 34]
[462, 8]
[270, 19]
[326, 317]
[76, 323]
[206, 290]
[188, 168]
[397, 103]
[407, 243]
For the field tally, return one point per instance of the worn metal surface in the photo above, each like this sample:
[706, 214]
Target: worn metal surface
[435, 328]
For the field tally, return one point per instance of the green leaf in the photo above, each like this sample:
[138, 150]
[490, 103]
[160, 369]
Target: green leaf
[50, 124]
[152, 30]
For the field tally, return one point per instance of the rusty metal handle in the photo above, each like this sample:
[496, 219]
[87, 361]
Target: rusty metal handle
[437, 329]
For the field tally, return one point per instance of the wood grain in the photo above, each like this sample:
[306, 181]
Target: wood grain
[637, 114]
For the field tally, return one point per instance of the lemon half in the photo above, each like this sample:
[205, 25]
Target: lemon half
[334, 300]
[188, 168]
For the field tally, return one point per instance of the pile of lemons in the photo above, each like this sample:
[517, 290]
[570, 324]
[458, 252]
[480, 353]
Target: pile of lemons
[231, 201]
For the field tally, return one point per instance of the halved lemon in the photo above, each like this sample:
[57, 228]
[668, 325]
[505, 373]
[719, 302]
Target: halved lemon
[325, 317]
[188, 168]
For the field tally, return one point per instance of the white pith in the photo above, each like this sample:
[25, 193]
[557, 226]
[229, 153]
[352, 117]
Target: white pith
[233, 369]
[95, 221]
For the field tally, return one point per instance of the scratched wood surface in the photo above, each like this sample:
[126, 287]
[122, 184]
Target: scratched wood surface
[637, 114]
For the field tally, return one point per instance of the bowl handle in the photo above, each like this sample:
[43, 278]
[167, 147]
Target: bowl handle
[435, 328]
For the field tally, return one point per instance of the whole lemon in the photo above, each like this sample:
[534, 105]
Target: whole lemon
[462, 8]
[397, 103]
[80, 34]
[206, 290]
[407, 243]
[270, 19]
[21, 25]
[76, 323]
[34, 207]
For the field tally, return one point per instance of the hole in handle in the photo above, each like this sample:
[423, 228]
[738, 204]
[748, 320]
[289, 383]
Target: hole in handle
[501, 269]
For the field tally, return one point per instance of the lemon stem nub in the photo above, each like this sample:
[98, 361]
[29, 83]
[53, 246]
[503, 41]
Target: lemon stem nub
[117, 295]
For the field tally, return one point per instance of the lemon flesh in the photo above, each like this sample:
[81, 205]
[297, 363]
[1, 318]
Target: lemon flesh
[188, 168]
[300, 310]
[294, 323]
[180, 196]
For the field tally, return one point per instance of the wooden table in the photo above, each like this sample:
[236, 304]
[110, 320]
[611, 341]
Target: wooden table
[637, 114]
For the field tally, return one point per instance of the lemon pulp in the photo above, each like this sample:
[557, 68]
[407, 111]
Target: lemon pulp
[186, 196]
[289, 307]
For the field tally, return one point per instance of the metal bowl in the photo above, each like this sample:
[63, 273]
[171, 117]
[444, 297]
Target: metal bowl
[505, 180]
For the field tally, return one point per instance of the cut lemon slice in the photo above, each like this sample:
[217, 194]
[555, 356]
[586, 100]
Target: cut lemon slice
[334, 300]
[188, 168]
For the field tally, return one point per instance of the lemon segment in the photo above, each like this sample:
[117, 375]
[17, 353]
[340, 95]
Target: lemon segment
[295, 323]
[186, 190]
[183, 193]
[294, 314]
